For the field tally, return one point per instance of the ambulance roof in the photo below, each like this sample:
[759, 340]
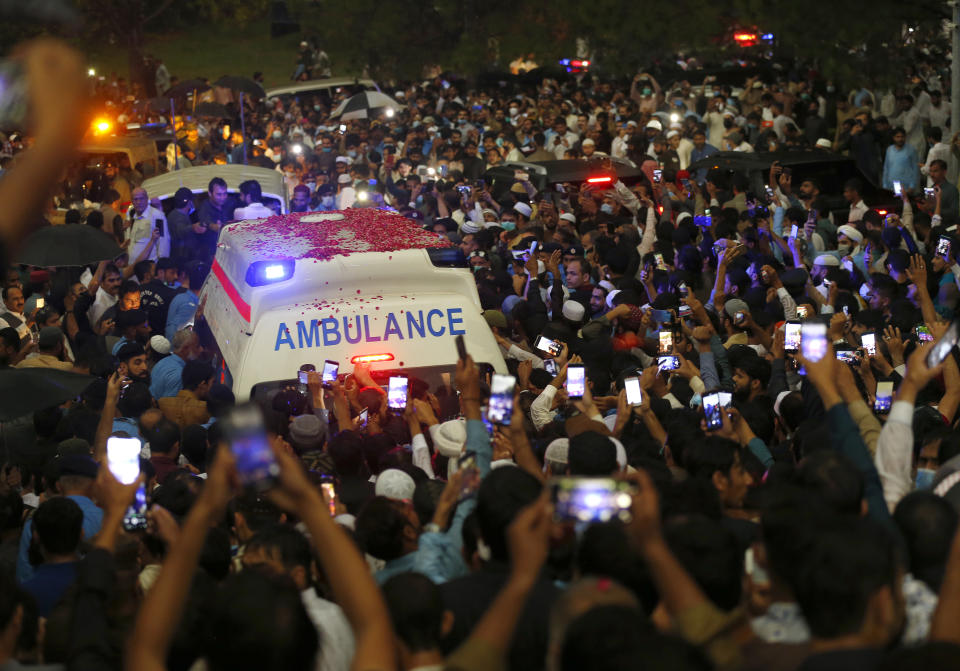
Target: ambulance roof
[325, 235]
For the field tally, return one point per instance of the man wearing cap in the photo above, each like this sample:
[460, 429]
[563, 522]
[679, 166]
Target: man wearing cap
[818, 273]
[142, 220]
[75, 477]
[523, 215]
[49, 351]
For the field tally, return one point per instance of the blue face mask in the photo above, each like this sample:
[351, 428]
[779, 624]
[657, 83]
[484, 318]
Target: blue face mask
[327, 201]
[607, 208]
[508, 225]
[316, 108]
[925, 478]
[326, 149]
[352, 153]
[419, 201]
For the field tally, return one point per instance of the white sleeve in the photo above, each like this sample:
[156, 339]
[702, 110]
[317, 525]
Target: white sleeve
[894, 458]
[789, 305]
[522, 355]
[541, 412]
[421, 454]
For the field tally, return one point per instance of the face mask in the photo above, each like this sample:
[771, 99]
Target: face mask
[277, 134]
[844, 249]
[831, 89]
[647, 90]
[499, 141]
[327, 201]
[514, 111]
[508, 225]
[316, 108]
[607, 208]
[925, 478]
[419, 201]
[326, 150]
[352, 154]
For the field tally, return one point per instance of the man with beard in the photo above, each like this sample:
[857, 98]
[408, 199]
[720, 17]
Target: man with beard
[750, 376]
[133, 362]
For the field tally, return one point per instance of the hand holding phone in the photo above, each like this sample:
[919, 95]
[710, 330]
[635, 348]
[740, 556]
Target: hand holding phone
[634, 393]
[576, 384]
[245, 433]
[500, 406]
[397, 392]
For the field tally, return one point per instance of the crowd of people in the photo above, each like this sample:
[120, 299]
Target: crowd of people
[811, 524]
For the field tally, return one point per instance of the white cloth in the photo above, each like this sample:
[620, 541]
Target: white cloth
[894, 458]
[142, 229]
[101, 303]
[253, 211]
[346, 198]
[336, 636]
[22, 329]
[857, 211]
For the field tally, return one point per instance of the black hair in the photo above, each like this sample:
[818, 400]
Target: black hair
[252, 188]
[710, 456]
[216, 181]
[711, 554]
[834, 479]
[163, 437]
[196, 373]
[592, 454]
[416, 609]
[928, 524]
[193, 445]
[284, 543]
[197, 273]
[135, 400]
[379, 528]
[503, 493]
[258, 621]
[58, 523]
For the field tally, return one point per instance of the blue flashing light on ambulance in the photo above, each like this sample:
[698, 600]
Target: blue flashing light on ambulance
[316, 288]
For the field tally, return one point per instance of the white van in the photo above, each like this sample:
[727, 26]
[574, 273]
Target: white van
[325, 88]
[361, 285]
[197, 179]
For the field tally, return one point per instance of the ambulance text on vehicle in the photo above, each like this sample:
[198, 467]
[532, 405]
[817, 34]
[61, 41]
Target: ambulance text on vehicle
[361, 285]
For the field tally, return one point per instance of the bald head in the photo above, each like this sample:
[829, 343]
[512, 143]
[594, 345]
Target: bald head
[140, 200]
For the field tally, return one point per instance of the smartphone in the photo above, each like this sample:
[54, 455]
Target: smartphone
[869, 343]
[897, 189]
[123, 459]
[684, 311]
[500, 406]
[847, 355]
[40, 303]
[464, 190]
[135, 518]
[704, 221]
[666, 342]
[791, 336]
[713, 411]
[551, 347]
[738, 318]
[813, 340]
[550, 366]
[330, 493]
[803, 311]
[397, 392]
[576, 381]
[302, 377]
[769, 192]
[658, 257]
[943, 249]
[590, 499]
[158, 224]
[929, 192]
[330, 370]
[245, 433]
[945, 345]
[794, 231]
[726, 399]
[634, 394]
[657, 175]
[662, 316]
[668, 363]
[461, 347]
[684, 291]
[884, 400]
[923, 333]
[363, 417]
[469, 475]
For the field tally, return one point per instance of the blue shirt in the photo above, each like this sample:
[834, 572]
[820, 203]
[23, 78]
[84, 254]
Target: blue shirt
[49, 583]
[697, 154]
[182, 309]
[900, 165]
[166, 377]
[92, 519]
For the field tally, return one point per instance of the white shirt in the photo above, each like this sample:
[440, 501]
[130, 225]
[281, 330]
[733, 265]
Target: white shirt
[336, 636]
[139, 235]
[253, 211]
[101, 304]
[22, 330]
[857, 211]
[346, 198]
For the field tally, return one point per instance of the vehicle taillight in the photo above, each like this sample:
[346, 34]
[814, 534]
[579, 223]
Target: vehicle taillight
[371, 358]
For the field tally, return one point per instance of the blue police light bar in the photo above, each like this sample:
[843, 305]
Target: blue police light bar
[269, 272]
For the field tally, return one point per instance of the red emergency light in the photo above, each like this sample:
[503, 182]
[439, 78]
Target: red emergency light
[599, 180]
[371, 358]
[882, 213]
[745, 38]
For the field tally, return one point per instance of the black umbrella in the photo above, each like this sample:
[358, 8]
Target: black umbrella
[248, 86]
[26, 390]
[212, 109]
[183, 88]
[68, 245]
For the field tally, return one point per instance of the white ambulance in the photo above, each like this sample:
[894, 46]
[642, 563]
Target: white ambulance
[355, 286]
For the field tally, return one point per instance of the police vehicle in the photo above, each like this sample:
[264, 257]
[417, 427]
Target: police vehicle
[356, 286]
